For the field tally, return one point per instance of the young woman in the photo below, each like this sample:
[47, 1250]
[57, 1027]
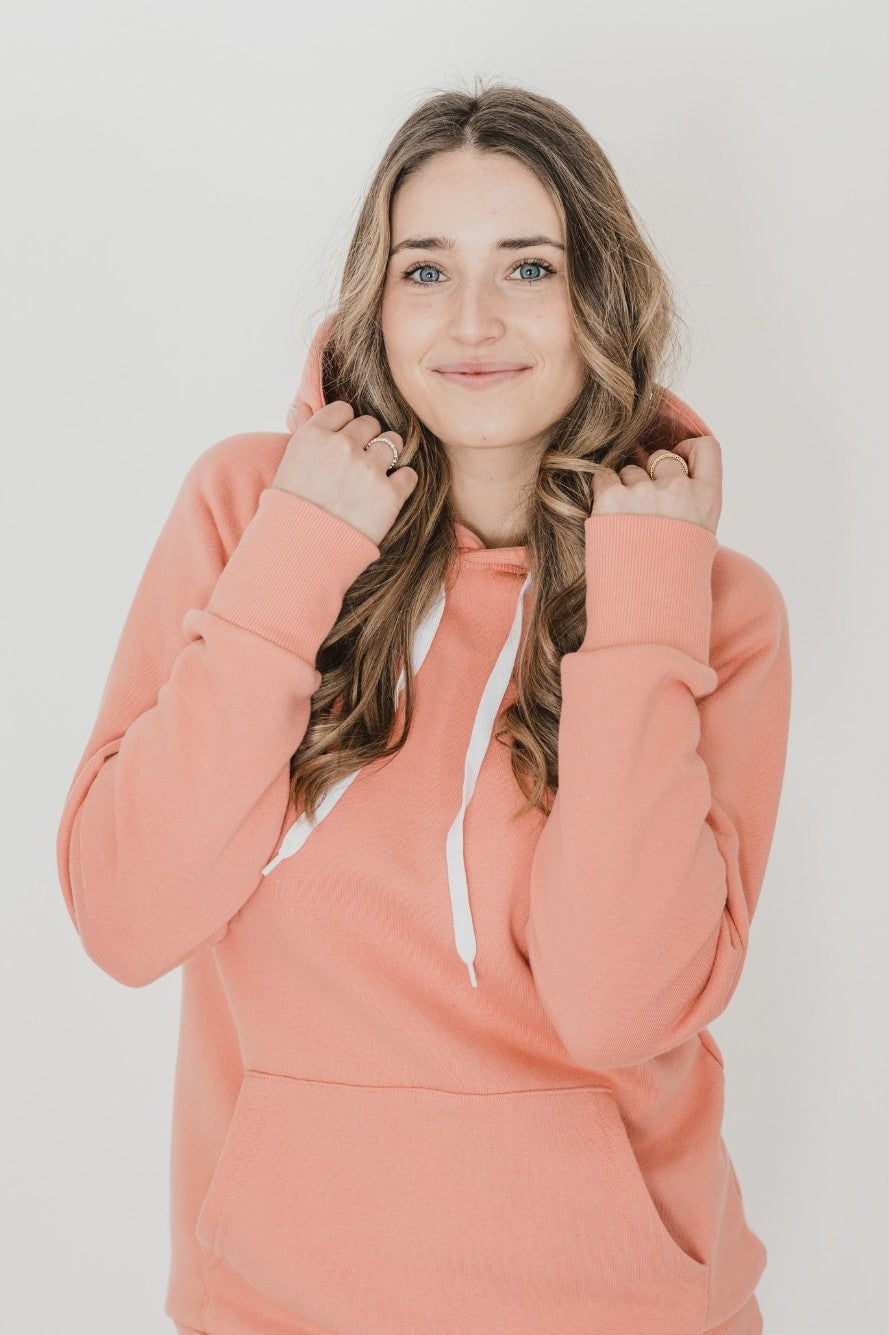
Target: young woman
[442, 748]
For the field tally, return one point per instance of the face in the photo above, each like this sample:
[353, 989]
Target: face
[480, 302]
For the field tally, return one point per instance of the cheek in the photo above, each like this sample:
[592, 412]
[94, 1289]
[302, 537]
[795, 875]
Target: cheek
[573, 369]
[407, 375]
[402, 327]
[393, 345]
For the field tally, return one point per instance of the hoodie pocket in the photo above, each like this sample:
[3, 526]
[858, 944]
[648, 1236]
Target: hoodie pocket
[402, 1208]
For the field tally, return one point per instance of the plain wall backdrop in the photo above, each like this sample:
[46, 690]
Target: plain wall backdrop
[180, 182]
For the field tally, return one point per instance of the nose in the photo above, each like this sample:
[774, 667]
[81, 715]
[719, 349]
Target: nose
[475, 313]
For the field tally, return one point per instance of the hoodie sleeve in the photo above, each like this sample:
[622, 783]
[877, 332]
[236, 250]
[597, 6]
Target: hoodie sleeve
[179, 798]
[672, 744]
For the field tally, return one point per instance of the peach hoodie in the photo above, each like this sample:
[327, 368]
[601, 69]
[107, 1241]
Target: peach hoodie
[439, 1072]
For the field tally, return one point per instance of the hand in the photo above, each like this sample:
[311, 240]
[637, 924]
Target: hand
[698, 497]
[325, 462]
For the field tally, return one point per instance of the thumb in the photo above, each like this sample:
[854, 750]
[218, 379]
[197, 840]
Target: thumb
[297, 413]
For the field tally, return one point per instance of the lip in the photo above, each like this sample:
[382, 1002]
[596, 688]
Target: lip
[481, 366]
[482, 379]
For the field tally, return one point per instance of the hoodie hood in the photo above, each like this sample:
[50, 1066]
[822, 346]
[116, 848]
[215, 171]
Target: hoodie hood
[676, 421]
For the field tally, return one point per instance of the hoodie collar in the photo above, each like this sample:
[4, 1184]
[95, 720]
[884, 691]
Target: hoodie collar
[676, 421]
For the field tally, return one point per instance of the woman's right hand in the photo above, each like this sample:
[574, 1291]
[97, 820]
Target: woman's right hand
[326, 463]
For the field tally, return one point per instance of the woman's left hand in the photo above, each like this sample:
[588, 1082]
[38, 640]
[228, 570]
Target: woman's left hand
[697, 497]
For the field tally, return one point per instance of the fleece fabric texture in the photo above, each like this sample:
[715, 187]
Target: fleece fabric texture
[365, 1141]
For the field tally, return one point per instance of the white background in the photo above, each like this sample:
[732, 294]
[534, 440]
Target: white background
[180, 182]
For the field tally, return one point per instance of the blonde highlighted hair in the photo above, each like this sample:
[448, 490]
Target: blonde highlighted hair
[624, 321]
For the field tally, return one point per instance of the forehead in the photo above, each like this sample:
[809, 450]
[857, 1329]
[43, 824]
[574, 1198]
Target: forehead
[474, 197]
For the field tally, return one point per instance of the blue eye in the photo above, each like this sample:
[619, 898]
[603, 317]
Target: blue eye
[418, 268]
[523, 264]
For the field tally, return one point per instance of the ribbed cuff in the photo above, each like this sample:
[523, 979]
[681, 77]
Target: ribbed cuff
[288, 575]
[648, 581]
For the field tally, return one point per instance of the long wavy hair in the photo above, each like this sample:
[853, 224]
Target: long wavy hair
[624, 320]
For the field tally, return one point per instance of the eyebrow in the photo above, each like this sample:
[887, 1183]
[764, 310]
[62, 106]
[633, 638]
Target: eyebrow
[448, 243]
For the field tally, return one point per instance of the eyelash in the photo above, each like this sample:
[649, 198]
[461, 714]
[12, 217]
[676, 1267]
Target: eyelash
[426, 264]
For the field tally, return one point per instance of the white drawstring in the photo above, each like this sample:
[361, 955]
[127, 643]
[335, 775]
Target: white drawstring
[479, 740]
[485, 718]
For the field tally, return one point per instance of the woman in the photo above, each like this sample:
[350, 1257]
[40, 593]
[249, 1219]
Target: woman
[444, 1064]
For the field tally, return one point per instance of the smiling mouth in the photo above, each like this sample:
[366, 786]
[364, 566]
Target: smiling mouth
[481, 379]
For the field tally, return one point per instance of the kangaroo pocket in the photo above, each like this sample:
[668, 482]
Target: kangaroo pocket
[398, 1208]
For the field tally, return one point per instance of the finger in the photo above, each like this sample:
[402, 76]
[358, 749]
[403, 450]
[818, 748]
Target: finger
[631, 473]
[601, 481]
[665, 468]
[703, 456]
[298, 412]
[404, 479]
